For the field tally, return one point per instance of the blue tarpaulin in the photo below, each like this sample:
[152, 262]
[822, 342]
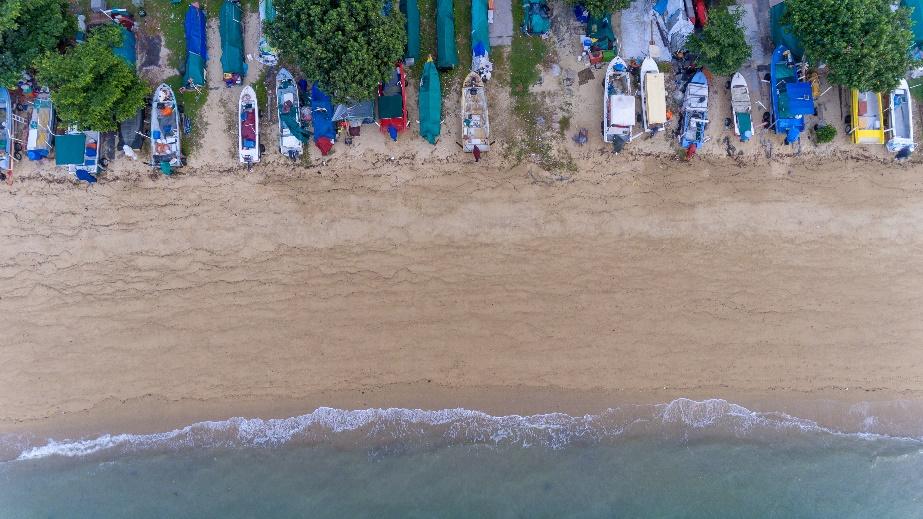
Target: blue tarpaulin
[126, 50]
[196, 46]
[800, 99]
[321, 114]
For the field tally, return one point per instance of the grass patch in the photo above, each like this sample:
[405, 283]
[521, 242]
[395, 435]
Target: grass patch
[916, 88]
[262, 96]
[526, 53]
[462, 12]
[192, 103]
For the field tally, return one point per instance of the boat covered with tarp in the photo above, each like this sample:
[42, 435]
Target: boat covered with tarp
[79, 152]
[196, 47]
[322, 120]
[248, 127]
[695, 113]
[166, 131]
[429, 103]
[653, 96]
[41, 137]
[899, 112]
[6, 132]
[411, 10]
[480, 40]
[781, 33]
[232, 42]
[618, 102]
[536, 17]
[741, 107]
[475, 119]
[446, 53]
[792, 96]
[391, 103]
[129, 129]
[268, 55]
[291, 134]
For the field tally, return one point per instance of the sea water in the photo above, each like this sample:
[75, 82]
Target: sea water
[685, 459]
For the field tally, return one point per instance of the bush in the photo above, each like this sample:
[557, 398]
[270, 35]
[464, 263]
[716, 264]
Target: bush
[825, 133]
[721, 45]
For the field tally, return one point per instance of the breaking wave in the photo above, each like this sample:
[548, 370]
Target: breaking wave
[680, 420]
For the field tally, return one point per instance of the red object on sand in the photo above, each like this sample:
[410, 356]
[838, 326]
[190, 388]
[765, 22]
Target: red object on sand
[701, 13]
[324, 144]
[690, 151]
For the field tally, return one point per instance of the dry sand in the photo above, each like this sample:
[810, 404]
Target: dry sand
[645, 277]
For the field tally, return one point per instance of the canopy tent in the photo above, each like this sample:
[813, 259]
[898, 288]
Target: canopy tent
[537, 17]
[599, 30]
[70, 149]
[412, 12]
[480, 34]
[126, 50]
[196, 47]
[430, 103]
[446, 53]
[361, 111]
[781, 34]
[322, 117]
[232, 41]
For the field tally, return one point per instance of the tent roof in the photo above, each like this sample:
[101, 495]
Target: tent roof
[70, 149]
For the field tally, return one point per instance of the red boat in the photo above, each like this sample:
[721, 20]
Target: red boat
[701, 13]
[391, 104]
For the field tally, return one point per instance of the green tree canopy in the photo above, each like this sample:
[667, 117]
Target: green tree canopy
[28, 29]
[721, 45]
[347, 46]
[601, 7]
[863, 42]
[91, 86]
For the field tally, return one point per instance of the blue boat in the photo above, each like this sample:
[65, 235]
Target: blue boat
[792, 98]
[6, 132]
[695, 113]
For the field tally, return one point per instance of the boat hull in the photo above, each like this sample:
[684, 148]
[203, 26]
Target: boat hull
[166, 131]
[900, 118]
[475, 117]
[287, 91]
[618, 102]
[248, 127]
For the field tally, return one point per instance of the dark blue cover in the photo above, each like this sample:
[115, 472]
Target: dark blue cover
[195, 32]
[800, 98]
[321, 114]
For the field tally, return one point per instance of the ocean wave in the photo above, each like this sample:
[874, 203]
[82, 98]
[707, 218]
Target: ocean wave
[682, 419]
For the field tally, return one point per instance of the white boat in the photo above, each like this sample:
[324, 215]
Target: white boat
[475, 121]
[653, 96]
[695, 113]
[289, 109]
[618, 102]
[742, 107]
[899, 116]
[40, 137]
[165, 130]
[248, 127]
[7, 146]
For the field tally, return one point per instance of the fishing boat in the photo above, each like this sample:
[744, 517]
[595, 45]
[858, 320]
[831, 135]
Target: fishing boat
[429, 103]
[7, 148]
[78, 151]
[695, 113]
[248, 127]
[899, 117]
[653, 96]
[475, 122]
[867, 119]
[792, 96]
[291, 135]
[618, 102]
[742, 107]
[41, 137]
[391, 103]
[165, 130]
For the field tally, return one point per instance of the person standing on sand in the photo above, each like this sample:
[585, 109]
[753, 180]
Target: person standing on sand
[477, 153]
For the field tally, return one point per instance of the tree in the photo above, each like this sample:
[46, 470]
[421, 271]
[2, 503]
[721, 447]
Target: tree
[92, 87]
[721, 45]
[347, 46]
[863, 42]
[28, 29]
[601, 7]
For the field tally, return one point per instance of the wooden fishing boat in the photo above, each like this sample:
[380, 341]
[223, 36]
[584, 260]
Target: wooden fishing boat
[899, 117]
[391, 103]
[695, 113]
[248, 127]
[40, 137]
[792, 96]
[618, 102]
[475, 121]
[289, 110]
[165, 130]
[653, 96]
[867, 121]
[742, 107]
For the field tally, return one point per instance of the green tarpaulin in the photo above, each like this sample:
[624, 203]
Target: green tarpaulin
[446, 53]
[916, 18]
[599, 29]
[232, 39]
[537, 17]
[390, 106]
[126, 50]
[267, 11]
[195, 70]
[480, 37]
[430, 103]
[412, 11]
[781, 34]
[290, 121]
[70, 149]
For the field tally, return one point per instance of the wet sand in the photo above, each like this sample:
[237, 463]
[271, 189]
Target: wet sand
[215, 293]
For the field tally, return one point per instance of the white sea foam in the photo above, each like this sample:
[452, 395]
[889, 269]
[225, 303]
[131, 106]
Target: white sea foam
[682, 419]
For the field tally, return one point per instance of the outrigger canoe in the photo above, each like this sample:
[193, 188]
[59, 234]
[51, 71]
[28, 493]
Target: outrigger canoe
[475, 120]
[618, 102]
[248, 127]
[653, 96]
[900, 118]
[165, 130]
[742, 107]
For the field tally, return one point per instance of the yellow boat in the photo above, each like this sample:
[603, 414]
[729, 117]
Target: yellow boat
[867, 119]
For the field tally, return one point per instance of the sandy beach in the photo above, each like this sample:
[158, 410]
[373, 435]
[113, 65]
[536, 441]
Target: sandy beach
[218, 293]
